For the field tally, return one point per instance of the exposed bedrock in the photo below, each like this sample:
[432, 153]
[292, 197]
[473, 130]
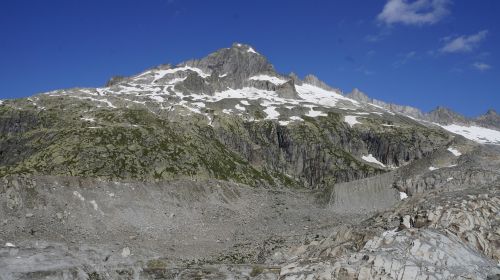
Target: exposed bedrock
[364, 196]
[322, 152]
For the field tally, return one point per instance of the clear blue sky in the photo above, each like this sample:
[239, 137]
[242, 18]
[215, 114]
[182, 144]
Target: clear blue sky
[422, 53]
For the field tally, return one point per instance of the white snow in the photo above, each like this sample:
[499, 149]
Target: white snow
[271, 113]
[176, 80]
[402, 195]
[156, 98]
[199, 104]
[244, 102]
[88, 119]
[316, 95]
[351, 120]
[313, 113]
[295, 118]
[251, 50]
[1, 102]
[432, 168]
[372, 159]
[284, 122]
[78, 195]
[161, 73]
[476, 133]
[274, 80]
[449, 179]
[8, 244]
[239, 107]
[454, 151]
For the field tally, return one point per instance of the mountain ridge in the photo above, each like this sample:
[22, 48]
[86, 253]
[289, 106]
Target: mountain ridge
[222, 168]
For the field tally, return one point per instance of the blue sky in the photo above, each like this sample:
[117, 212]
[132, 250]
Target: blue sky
[422, 53]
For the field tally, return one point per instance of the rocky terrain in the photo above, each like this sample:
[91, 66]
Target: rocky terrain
[223, 168]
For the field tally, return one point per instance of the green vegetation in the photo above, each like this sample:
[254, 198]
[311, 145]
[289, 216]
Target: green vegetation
[73, 138]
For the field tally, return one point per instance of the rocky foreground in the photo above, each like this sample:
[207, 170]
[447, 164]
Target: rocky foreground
[222, 168]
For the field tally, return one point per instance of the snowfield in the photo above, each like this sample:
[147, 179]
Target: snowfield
[275, 80]
[475, 133]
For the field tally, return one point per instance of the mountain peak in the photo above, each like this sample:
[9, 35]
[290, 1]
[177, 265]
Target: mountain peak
[446, 116]
[239, 61]
[358, 95]
[315, 81]
[491, 112]
[243, 47]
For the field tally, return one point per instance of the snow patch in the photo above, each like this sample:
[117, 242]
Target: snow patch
[432, 168]
[161, 73]
[313, 113]
[317, 95]
[449, 179]
[372, 159]
[475, 133]
[454, 151]
[88, 119]
[251, 50]
[403, 195]
[239, 107]
[199, 104]
[8, 244]
[244, 102]
[271, 113]
[351, 120]
[274, 80]
[156, 98]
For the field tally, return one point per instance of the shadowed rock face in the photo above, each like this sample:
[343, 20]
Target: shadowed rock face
[287, 90]
[194, 84]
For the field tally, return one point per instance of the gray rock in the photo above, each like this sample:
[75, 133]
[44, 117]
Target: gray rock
[287, 90]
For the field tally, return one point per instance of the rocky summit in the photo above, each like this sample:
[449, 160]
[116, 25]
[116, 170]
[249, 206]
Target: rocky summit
[224, 168]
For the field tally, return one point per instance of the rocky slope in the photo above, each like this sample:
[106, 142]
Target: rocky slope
[223, 168]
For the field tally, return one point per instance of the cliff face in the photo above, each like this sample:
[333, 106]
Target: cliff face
[139, 144]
